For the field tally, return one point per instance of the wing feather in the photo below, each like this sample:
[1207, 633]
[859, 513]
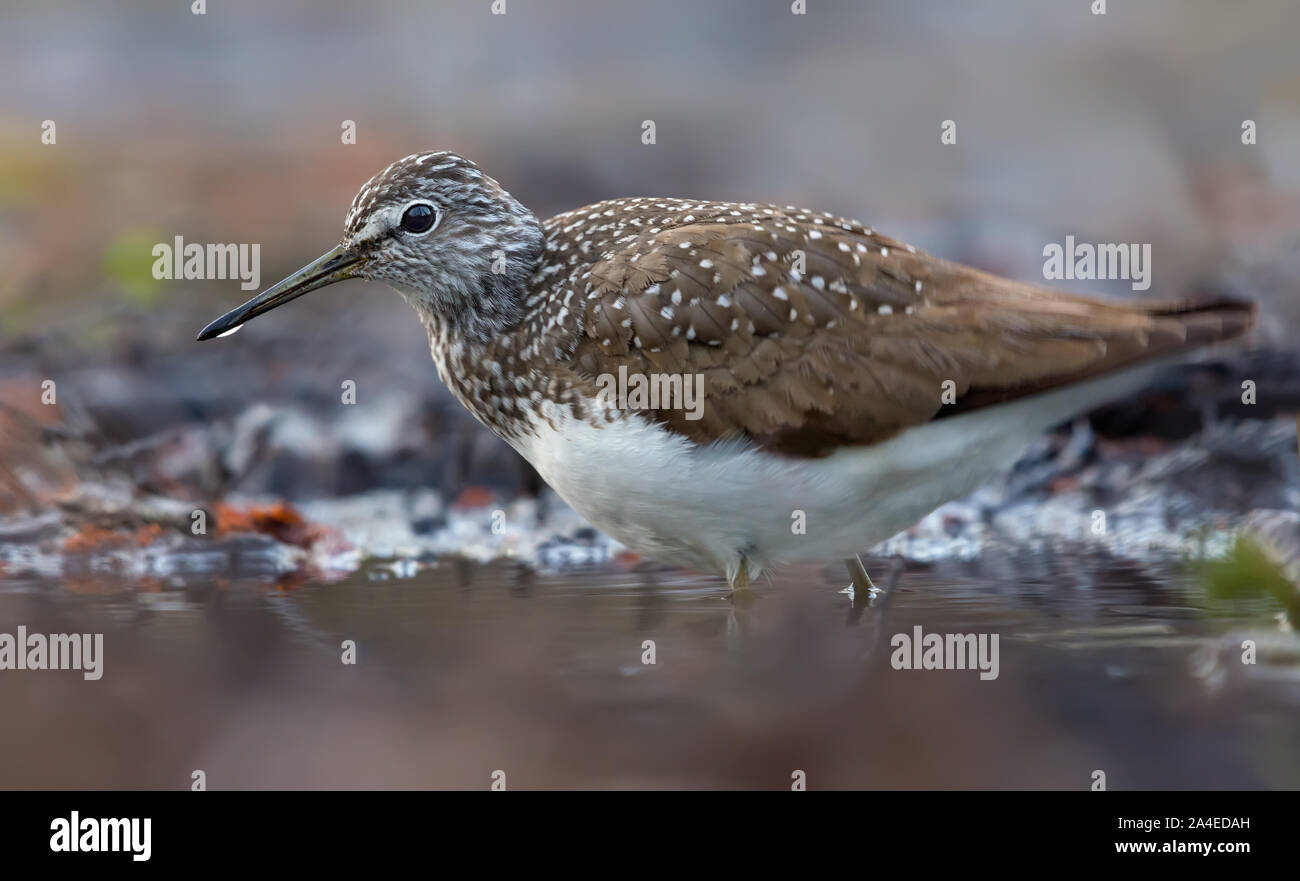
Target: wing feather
[814, 334]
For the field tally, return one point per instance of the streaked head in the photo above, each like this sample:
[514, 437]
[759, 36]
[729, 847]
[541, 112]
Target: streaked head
[437, 229]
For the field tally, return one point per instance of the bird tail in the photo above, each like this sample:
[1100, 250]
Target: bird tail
[1195, 323]
[1132, 334]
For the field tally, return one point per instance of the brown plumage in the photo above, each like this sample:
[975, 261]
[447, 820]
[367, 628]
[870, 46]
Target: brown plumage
[855, 348]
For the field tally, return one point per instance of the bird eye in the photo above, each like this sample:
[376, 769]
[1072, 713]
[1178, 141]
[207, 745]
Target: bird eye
[419, 218]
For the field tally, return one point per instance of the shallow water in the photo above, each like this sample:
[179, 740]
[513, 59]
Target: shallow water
[464, 669]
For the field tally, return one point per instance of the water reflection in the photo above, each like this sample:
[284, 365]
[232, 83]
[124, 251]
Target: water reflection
[464, 669]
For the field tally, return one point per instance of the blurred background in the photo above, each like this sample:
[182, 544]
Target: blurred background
[326, 521]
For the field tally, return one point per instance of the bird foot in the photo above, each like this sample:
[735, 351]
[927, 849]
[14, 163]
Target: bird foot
[861, 587]
[863, 593]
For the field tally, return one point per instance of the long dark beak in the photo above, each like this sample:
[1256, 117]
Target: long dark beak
[332, 266]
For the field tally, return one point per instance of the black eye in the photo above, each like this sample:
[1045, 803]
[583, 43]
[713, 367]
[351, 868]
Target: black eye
[418, 218]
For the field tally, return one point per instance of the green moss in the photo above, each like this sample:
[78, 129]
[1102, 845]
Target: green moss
[128, 263]
[1247, 574]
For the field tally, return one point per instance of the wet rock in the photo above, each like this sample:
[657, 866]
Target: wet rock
[1183, 502]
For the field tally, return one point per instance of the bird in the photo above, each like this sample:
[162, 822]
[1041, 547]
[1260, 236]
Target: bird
[847, 383]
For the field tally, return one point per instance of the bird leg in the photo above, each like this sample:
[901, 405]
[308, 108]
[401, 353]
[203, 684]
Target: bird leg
[738, 578]
[863, 591]
[862, 583]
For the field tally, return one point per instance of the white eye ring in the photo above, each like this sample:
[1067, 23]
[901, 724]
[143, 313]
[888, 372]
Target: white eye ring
[414, 219]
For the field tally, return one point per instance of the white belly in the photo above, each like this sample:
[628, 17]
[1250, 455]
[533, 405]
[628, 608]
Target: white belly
[712, 507]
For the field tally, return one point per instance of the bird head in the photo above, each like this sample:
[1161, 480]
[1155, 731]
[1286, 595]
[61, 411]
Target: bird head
[433, 226]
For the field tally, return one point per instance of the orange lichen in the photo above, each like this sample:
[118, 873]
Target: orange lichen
[91, 537]
[147, 535]
[474, 497]
[279, 520]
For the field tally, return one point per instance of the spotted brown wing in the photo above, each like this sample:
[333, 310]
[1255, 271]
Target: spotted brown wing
[813, 333]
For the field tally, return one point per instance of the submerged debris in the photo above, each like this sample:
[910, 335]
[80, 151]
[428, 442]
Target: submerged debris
[1070, 492]
[205, 483]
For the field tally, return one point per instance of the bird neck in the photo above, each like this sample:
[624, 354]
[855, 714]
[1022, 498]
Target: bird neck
[472, 370]
[479, 290]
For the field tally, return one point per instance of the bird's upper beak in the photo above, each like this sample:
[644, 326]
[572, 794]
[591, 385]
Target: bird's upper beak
[334, 265]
